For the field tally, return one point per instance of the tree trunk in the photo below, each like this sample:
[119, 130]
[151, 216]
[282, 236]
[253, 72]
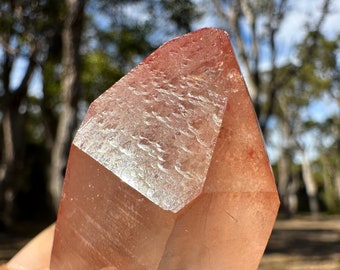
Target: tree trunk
[13, 130]
[282, 180]
[337, 161]
[310, 185]
[287, 189]
[71, 39]
[293, 202]
[8, 167]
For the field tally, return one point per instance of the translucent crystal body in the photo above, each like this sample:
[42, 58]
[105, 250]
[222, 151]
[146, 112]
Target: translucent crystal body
[158, 134]
[168, 169]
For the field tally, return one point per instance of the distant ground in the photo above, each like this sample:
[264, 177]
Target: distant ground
[298, 244]
[304, 243]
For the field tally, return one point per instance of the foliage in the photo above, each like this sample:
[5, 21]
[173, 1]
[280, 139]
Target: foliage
[114, 40]
[117, 35]
[285, 94]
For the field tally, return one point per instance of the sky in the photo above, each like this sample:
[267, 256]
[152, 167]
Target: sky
[291, 32]
[293, 27]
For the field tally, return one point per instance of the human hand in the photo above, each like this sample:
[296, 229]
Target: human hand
[35, 255]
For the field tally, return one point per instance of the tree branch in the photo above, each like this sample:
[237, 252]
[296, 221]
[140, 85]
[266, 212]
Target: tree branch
[325, 11]
[233, 20]
[22, 89]
[8, 48]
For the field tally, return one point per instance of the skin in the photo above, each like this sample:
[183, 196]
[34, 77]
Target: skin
[35, 255]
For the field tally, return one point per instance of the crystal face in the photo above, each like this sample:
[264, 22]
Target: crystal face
[157, 135]
[168, 169]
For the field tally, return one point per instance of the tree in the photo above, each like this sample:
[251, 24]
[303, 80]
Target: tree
[254, 25]
[71, 41]
[25, 32]
[37, 125]
[279, 92]
[118, 47]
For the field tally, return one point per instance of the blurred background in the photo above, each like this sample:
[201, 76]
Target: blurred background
[58, 56]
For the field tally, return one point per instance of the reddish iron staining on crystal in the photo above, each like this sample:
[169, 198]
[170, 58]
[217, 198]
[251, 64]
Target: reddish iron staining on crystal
[168, 169]
[157, 133]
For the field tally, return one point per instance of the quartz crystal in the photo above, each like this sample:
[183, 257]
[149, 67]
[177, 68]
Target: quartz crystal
[168, 169]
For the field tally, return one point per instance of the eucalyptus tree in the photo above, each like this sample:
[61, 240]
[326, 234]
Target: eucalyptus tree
[26, 29]
[56, 57]
[280, 91]
[112, 40]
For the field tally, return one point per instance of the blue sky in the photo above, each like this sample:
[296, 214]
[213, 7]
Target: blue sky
[291, 32]
[300, 13]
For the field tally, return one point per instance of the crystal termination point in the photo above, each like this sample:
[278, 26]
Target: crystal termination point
[168, 169]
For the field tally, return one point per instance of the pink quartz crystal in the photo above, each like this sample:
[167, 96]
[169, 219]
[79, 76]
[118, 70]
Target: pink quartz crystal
[168, 169]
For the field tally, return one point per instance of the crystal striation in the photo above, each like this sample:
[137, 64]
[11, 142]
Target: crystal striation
[157, 134]
[168, 169]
